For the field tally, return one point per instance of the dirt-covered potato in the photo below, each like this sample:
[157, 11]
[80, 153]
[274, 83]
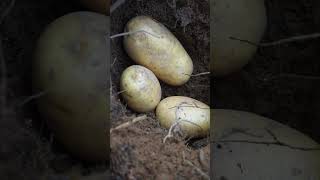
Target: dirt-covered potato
[100, 6]
[158, 49]
[70, 68]
[140, 88]
[242, 19]
[247, 146]
[192, 116]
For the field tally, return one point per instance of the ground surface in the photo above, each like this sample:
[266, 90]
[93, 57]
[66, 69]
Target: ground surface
[263, 87]
[137, 152]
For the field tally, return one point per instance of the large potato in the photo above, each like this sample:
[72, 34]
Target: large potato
[192, 116]
[159, 51]
[100, 6]
[243, 19]
[246, 146]
[140, 88]
[70, 66]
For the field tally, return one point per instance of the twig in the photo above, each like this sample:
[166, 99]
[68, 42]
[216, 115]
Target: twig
[129, 123]
[199, 74]
[133, 32]
[281, 41]
[194, 166]
[115, 5]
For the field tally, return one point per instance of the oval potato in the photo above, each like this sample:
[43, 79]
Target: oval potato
[70, 67]
[158, 50]
[100, 6]
[242, 19]
[140, 88]
[192, 116]
[247, 146]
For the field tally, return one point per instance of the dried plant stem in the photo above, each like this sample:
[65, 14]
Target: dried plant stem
[129, 123]
[133, 32]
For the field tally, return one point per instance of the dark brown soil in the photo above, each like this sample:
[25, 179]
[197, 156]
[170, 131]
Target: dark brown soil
[137, 152]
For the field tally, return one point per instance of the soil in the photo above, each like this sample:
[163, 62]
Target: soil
[138, 152]
[280, 82]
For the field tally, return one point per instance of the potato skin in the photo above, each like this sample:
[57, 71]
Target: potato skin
[194, 115]
[247, 141]
[141, 88]
[100, 6]
[163, 55]
[243, 19]
[70, 66]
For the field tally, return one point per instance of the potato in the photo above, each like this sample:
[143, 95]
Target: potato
[247, 146]
[140, 88]
[192, 116]
[158, 50]
[242, 19]
[70, 66]
[100, 6]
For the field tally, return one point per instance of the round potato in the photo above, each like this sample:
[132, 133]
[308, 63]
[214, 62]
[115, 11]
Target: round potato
[247, 146]
[192, 116]
[140, 88]
[242, 19]
[158, 49]
[70, 68]
[100, 6]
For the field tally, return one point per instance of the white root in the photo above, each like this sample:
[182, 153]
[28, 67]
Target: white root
[129, 123]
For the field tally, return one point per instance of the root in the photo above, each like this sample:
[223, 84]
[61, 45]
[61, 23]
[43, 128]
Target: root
[115, 5]
[199, 74]
[133, 32]
[30, 98]
[194, 166]
[170, 133]
[281, 41]
[129, 123]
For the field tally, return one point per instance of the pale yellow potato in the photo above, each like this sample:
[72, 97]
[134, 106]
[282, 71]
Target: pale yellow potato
[248, 146]
[158, 50]
[192, 116]
[140, 88]
[70, 67]
[242, 19]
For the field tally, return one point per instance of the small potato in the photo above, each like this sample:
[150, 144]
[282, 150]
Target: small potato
[140, 88]
[100, 6]
[70, 68]
[242, 19]
[192, 116]
[158, 50]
